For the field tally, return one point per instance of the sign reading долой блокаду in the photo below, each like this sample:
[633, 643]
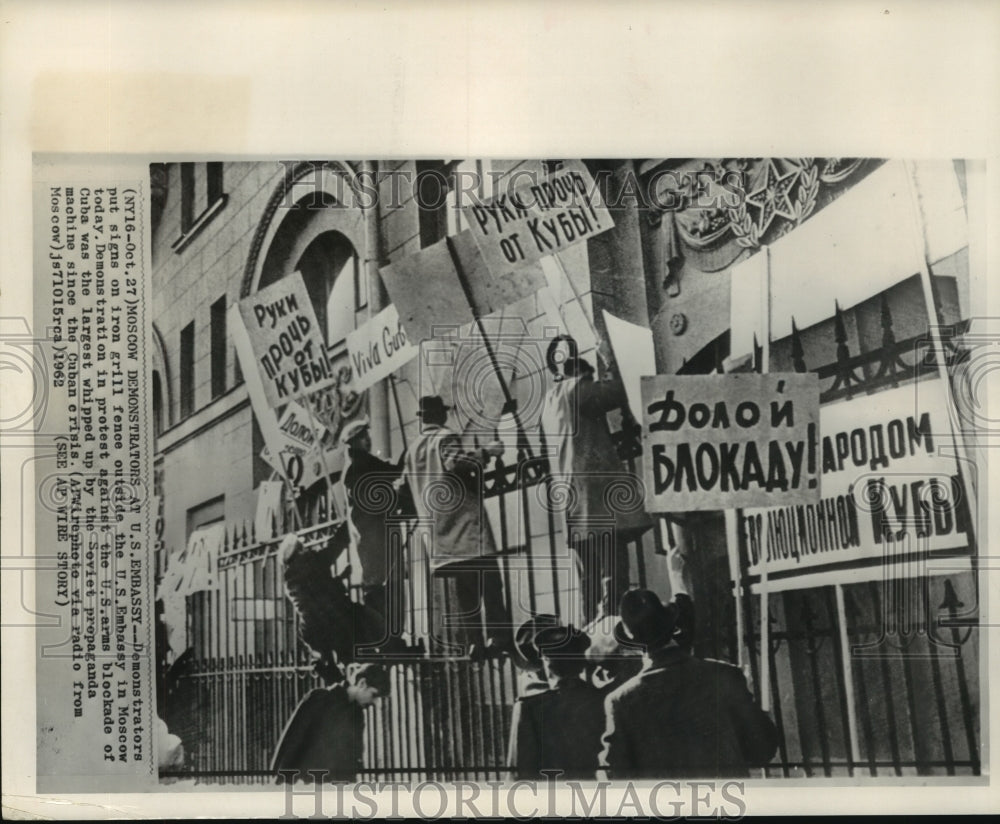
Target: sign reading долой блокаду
[725, 441]
[288, 346]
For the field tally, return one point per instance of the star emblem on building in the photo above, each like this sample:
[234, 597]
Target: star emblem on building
[771, 196]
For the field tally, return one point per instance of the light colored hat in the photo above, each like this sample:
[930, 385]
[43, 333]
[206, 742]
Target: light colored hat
[353, 429]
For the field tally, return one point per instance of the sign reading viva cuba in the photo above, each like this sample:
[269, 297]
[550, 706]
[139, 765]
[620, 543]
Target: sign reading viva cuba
[378, 348]
[725, 441]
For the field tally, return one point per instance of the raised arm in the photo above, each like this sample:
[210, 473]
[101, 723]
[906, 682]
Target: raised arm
[599, 397]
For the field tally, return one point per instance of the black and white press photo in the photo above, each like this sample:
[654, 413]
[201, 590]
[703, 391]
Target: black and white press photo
[638, 469]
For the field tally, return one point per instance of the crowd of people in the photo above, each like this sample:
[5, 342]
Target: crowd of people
[624, 697]
[644, 708]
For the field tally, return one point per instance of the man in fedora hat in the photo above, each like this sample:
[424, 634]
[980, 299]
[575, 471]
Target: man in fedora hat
[681, 717]
[446, 483]
[367, 513]
[559, 728]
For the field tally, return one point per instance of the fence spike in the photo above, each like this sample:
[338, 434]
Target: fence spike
[839, 332]
[888, 337]
[798, 362]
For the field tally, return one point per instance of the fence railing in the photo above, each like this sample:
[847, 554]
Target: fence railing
[445, 717]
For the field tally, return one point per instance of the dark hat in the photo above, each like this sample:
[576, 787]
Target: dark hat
[432, 404]
[560, 641]
[645, 619]
[525, 653]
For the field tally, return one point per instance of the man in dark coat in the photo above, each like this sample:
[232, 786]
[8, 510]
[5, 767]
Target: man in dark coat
[681, 717]
[326, 732]
[365, 480]
[330, 623]
[559, 728]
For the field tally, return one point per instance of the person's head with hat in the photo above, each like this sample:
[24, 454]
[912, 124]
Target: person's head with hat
[613, 661]
[433, 410]
[525, 654]
[645, 620]
[562, 649]
[356, 436]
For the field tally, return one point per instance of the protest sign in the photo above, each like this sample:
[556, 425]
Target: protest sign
[724, 441]
[538, 219]
[300, 429]
[266, 417]
[268, 512]
[289, 351]
[191, 570]
[634, 355]
[426, 291]
[490, 288]
[887, 488]
[378, 348]
[449, 283]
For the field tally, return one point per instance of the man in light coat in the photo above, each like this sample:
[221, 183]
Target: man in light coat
[589, 476]
[446, 484]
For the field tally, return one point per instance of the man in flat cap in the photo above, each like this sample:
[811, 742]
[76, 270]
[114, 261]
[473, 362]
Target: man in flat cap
[446, 482]
[681, 717]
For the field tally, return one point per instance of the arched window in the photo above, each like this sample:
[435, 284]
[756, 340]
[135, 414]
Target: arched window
[334, 279]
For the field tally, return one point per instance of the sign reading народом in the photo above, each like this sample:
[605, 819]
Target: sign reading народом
[887, 488]
[378, 348]
[724, 441]
[288, 346]
[539, 219]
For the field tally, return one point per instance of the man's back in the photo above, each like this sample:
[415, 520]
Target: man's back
[447, 489]
[325, 733]
[684, 717]
[560, 729]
